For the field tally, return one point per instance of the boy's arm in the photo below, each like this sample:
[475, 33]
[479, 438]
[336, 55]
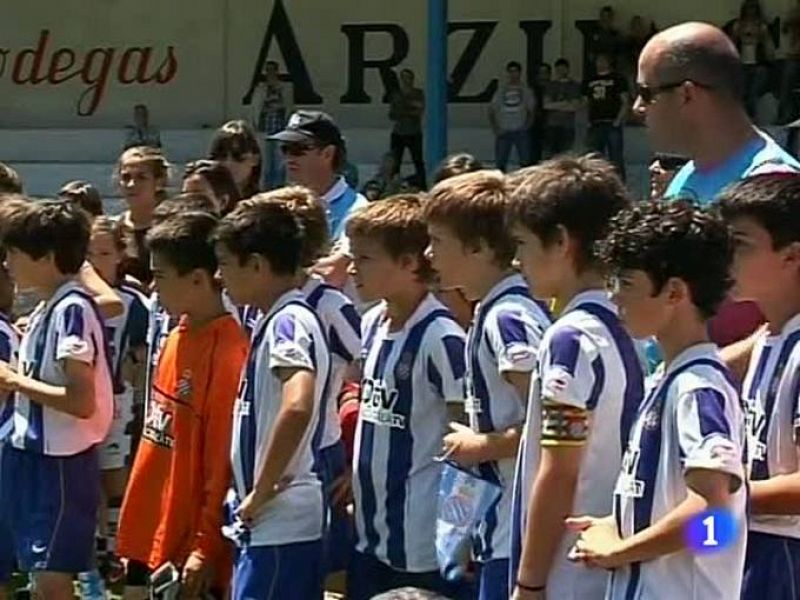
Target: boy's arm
[217, 428]
[76, 398]
[107, 300]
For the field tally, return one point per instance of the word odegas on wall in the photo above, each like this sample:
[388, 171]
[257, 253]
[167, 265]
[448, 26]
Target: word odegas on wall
[47, 63]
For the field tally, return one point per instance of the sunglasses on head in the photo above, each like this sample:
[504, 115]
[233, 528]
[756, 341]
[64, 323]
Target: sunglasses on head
[649, 93]
[296, 149]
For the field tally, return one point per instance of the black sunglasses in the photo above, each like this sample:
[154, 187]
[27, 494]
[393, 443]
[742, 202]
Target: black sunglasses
[648, 94]
[296, 149]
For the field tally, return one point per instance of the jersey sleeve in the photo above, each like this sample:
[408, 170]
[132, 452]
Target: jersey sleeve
[572, 371]
[74, 333]
[446, 365]
[704, 433]
[291, 343]
[345, 333]
[514, 338]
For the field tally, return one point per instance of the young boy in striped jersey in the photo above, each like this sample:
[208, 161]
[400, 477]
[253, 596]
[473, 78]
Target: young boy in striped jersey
[343, 327]
[764, 214]
[471, 249]
[412, 367]
[670, 267]
[63, 404]
[588, 382]
[278, 496]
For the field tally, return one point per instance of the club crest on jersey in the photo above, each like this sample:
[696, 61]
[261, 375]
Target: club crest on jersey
[185, 385]
[378, 405]
[652, 420]
[404, 365]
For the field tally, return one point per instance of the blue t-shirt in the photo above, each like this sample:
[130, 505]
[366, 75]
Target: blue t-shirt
[759, 155]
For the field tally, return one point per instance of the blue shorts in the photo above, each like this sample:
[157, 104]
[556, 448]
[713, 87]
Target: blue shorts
[493, 579]
[771, 568]
[273, 572]
[50, 504]
[339, 535]
[367, 577]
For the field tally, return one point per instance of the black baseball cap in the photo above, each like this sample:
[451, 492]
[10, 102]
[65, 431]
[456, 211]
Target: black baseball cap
[314, 126]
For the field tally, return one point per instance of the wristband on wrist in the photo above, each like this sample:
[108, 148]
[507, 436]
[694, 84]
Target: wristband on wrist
[530, 588]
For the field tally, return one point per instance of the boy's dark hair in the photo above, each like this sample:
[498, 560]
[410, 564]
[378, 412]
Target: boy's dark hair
[457, 164]
[10, 182]
[474, 206]
[235, 139]
[673, 239]
[513, 64]
[184, 240]
[398, 223]
[771, 200]
[183, 203]
[85, 195]
[580, 194]
[266, 228]
[562, 62]
[310, 212]
[49, 226]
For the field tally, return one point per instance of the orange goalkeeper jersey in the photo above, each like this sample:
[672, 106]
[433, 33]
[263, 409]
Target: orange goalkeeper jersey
[173, 503]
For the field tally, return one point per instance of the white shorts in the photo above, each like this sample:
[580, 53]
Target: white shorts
[116, 448]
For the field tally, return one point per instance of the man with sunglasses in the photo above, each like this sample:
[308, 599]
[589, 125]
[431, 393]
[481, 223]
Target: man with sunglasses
[315, 155]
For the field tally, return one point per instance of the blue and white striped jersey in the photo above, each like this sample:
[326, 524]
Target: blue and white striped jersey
[66, 327]
[409, 375]
[690, 419]
[290, 336]
[127, 330]
[505, 337]
[771, 394]
[9, 352]
[586, 360]
[343, 330]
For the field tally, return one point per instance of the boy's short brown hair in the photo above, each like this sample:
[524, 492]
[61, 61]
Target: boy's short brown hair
[85, 195]
[398, 223]
[10, 181]
[474, 206]
[579, 193]
[185, 240]
[307, 207]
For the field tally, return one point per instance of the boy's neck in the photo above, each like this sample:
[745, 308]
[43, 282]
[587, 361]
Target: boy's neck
[47, 291]
[580, 282]
[402, 305]
[685, 330]
[779, 311]
[208, 306]
[485, 281]
[141, 217]
[276, 290]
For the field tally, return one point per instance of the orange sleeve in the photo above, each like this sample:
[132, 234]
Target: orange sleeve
[226, 365]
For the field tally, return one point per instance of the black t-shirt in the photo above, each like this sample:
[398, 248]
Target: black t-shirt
[604, 96]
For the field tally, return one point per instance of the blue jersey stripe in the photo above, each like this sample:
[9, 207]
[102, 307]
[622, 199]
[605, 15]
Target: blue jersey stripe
[711, 412]
[599, 371]
[247, 421]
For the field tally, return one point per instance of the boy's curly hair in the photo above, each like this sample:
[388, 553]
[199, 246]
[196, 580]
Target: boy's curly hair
[673, 239]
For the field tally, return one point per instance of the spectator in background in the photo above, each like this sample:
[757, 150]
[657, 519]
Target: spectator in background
[607, 98]
[271, 109]
[752, 39]
[141, 133]
[85, 195]
[457, 164]
[544, 74]
[10, 181]
[213, 180]
[511, 115]
[407, 105]
[662, 170]
[606, 39]
[235, 145]
[790, 77]
[638, 33]
[386, 182]
[562, 99]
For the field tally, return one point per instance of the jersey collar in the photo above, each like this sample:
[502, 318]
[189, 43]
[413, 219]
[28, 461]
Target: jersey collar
[597, 296]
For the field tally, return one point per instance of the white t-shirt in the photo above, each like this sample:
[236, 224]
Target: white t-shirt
[690, 419]
[67, 326]
[408, 377]
[586, 360]
[289, 336]
[771, 394]
[505, 337]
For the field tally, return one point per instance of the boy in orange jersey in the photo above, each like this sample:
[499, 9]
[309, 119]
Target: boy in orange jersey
[172, 510]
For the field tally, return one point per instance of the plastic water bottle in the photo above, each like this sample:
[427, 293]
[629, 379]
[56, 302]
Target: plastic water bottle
[92, 586]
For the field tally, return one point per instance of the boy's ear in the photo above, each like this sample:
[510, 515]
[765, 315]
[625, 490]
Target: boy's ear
[408, 262]
[676, 291]
[791, 254]
[564, 243]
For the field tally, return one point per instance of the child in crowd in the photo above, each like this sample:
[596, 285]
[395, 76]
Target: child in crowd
[471, 249]
[213, 179]
[236, 147]
[142, 173]
[413, 366]
[343, 326]
[172, 510]
[127, 336]
[85, 195]
[670, 267]
[764, 214]
[588, 381]
[63, 402]
[276, 497]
